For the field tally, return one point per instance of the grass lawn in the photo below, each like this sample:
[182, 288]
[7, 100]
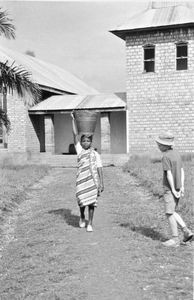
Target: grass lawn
[14, 180]
[149, 173]
[125, 250]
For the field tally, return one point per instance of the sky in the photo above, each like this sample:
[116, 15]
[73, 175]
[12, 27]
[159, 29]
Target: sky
[75, 35]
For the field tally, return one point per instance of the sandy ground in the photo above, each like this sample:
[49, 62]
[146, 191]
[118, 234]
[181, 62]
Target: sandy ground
[45, 255]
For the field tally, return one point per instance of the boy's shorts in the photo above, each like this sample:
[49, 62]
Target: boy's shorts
[171, 202]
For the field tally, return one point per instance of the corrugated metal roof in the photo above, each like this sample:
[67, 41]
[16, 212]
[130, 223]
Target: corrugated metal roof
[71, 102]
[47, 74]
[157, 17]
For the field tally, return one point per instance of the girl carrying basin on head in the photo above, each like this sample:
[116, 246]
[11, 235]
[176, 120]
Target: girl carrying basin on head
[89, 180]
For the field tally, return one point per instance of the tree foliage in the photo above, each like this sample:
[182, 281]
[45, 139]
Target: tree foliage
[6, 27]
[18, 79]
[13, 77]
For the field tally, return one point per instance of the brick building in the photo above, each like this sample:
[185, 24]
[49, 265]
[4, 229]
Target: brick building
[160, 75]
[47, 127]
[27, 131]
[159, 92]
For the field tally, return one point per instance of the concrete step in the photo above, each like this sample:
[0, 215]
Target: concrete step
[58, 160]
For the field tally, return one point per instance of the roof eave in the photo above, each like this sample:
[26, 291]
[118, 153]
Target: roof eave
[63, 111]
[122, 33]
[55, 90]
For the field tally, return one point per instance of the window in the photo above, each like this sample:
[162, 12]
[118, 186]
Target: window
[149, 58]
[181, 56]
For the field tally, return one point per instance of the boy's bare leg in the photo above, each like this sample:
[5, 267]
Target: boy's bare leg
[179, 220]
[188, 234]
[173, 225]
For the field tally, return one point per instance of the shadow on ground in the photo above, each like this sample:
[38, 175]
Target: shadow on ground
[66, 214]
[146, 231]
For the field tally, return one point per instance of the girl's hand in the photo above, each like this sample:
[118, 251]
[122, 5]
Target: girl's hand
[100, 189]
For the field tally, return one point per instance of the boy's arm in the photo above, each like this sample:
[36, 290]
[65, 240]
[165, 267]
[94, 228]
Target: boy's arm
[182, 190]
[171, 183]
[100, 174]
[75, 131]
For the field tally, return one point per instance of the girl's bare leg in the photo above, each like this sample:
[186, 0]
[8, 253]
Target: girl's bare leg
[82, 212]
[90, 214]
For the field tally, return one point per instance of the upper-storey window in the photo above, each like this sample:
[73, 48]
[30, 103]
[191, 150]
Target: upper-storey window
[149, 58]
[182, 56]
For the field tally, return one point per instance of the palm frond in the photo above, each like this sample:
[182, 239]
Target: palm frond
[6, 27]
[18, 79]
[4, 119]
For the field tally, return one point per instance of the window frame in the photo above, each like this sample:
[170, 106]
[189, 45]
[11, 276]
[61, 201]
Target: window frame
[149, 60]
[182, 57]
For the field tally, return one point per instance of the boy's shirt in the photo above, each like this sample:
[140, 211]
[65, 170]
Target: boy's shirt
[172, 161]
[79, 149]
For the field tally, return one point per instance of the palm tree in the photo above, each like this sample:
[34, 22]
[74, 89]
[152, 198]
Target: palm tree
[4, 119]
[18, 79]
[12, 77]
[6, 27]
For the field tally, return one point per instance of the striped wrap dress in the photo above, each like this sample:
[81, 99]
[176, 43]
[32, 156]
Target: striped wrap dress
[87, 179]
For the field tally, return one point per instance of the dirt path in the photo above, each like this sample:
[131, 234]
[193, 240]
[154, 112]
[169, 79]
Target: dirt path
[46, 256]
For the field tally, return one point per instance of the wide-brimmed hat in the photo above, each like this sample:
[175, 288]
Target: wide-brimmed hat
[166, 138]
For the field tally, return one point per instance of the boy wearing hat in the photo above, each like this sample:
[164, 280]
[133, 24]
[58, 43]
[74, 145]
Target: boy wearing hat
[173, 183]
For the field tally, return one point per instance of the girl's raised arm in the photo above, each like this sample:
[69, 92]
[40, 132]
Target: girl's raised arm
[75, 131]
